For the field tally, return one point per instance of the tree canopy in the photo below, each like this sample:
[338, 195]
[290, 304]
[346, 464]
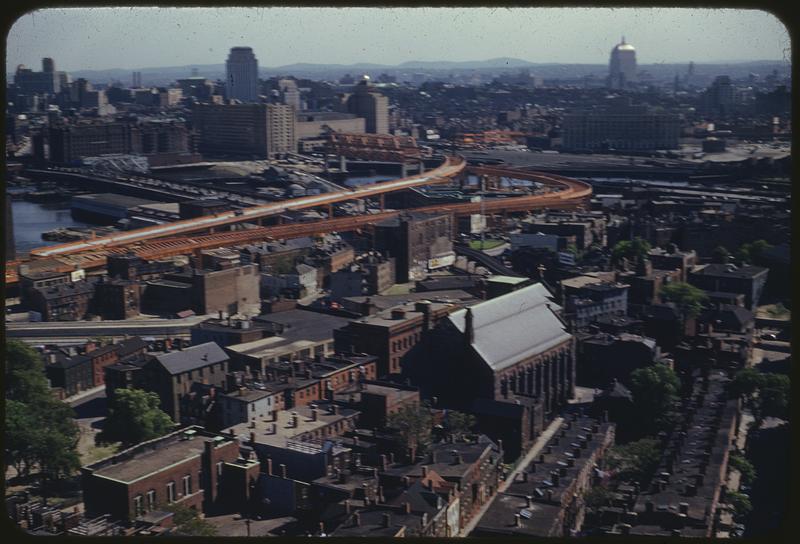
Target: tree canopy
[188, 522]
[413, 424]
[752, 252]
[764, 394]
[689, 298]
[635, 460]
[459, 424]
[630, 249]
[40, 431]
[655, 389]
[720, 255]
[134, 416]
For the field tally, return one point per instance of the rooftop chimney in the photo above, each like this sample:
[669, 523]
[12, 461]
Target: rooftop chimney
[283, 470]
[469, 330]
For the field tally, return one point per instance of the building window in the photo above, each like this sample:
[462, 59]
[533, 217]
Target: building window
[151, 500]
[187, 484]
[171, 492]
[137, 506]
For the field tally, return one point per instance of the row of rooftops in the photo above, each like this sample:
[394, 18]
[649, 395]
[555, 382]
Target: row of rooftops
[532, 503]
[682, 493]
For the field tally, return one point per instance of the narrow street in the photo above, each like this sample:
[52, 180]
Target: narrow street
[537, 446]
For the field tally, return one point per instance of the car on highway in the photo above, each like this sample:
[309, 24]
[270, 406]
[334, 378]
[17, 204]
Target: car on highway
[769, 336]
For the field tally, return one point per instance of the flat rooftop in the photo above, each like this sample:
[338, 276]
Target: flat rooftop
[277, 433]
[155, 455]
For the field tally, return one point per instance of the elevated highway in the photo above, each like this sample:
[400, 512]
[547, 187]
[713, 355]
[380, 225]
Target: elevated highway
[566, 193]
[451, 167]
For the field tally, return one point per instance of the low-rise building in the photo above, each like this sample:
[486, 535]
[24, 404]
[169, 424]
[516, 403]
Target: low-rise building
[180, 468]
[746, 280]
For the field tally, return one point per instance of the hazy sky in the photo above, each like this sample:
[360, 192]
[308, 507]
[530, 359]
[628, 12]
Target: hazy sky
[101, 38]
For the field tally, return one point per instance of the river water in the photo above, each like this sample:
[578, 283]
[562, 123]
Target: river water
[31, 219]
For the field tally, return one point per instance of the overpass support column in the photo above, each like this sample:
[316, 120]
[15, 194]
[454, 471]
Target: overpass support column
[330, 211]
[382, 198]
[403, 170]
[342, 163]
[421, 167]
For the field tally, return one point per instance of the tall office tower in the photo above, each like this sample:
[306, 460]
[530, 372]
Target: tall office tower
[721, 97]
[366, 102]
[290, 94]
[242, 75]
[48, 65]
[622, 67]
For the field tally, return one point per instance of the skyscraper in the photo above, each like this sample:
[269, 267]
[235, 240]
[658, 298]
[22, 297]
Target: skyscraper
[371, 105]
[290, 94]
[622, 67]
[242, 75]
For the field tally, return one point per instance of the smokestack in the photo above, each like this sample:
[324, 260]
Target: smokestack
[469, 329]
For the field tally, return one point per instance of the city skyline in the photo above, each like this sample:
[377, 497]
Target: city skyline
[185, 36]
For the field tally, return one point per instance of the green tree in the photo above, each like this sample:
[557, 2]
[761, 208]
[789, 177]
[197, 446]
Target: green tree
[189, 523]
[720, 255]
[635, 460]
[655, 389]
[752, 252]
[745, 468]
[25, 379]
[40, 431]
[134, 416]
[459, 424]
[689, 298]
[630, 249]
[413, 424]
[740, 503]
[597, 497]
[765, 395]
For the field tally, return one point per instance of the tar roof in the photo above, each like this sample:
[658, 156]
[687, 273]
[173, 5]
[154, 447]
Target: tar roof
[513, 326]
[176, 362]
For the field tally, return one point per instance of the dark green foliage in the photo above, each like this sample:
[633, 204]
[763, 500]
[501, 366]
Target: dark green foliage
[765, 395]
[188, 522]
[740, 502]
[745, 468]
[413, 425]
[689, 298]
[630, 249]
[655, 389]
[753, 252]
[597, 497]
[134, 416]
[720, 255]
[635, 460]
[459, 424]
[40, 431]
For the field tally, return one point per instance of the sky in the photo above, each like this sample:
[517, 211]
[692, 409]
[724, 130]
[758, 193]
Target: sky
[104, 38]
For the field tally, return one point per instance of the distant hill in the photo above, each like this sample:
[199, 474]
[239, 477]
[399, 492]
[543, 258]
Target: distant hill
[164, 75]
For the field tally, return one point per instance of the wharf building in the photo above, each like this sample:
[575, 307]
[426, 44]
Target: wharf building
[546, 499]
[241, 75]
[515, 363]
[252, 130]
[161, 141]
[623, 128]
